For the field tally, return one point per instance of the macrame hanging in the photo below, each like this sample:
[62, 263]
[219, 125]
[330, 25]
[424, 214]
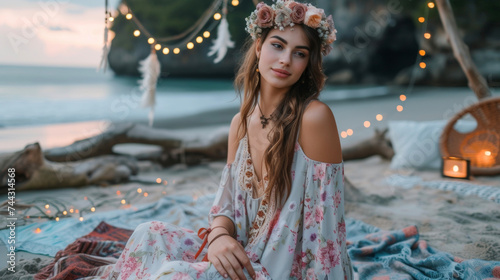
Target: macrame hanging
[105, 50]
[223, 41]
[150, 71]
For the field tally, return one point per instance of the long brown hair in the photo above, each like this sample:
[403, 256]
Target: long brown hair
[288, 114]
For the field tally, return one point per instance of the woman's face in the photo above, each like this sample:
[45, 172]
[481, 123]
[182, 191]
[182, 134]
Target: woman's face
[283, 57]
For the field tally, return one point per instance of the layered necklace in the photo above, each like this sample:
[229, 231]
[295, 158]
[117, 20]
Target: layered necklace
[263, 120]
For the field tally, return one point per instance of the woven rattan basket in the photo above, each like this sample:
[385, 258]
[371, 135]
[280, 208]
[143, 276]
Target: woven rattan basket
[482, 145]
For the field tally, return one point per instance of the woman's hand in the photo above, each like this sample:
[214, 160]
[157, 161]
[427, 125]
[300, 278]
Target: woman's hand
[229, 258]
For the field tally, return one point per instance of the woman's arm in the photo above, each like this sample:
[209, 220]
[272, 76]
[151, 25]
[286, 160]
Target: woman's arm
[319, 137]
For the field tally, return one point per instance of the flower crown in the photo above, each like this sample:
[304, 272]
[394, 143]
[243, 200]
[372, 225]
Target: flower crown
[289, 13]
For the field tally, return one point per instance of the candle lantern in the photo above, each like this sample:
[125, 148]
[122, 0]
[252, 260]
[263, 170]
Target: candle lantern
[455, 167]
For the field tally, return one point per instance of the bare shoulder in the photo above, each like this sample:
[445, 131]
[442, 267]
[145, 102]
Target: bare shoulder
[319, 137]
[232, 141]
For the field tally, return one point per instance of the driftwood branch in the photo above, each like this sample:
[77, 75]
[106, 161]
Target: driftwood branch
[377, 145]
[461, 52]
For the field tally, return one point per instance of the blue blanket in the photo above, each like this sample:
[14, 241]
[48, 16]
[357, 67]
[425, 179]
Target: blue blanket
[376, 254]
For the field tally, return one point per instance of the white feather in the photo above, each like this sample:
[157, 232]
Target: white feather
[223, 41]
[104, 58]
[150, 71]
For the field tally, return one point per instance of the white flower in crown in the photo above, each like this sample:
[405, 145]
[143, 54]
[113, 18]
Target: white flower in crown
[289, 13]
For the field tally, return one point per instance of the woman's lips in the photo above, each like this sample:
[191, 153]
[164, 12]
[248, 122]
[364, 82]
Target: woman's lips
[281, 73]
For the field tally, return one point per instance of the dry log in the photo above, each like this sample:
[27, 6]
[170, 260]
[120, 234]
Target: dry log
[33, 171]
[377, 145]
[461, 52]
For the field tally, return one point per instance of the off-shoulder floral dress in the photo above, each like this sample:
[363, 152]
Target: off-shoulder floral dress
[306, 238]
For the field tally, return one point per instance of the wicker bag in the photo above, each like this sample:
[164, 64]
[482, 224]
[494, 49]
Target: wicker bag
[482, 145]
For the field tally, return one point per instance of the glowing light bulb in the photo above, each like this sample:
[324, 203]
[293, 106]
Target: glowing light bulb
[177, 51]
[57, 219]
[38, 230]
[151, 40]
[71, 210]
[235, 3]
[47, 206]
[128, 16]
[146, 194]
[487, 153]
[379, 117]
[421, 19]
[65, 212]
[430, 5]
[350, 132]
[137, 33]
[190, 45]
[199, 39]
[92, 209]
[157, 47]
[206, 34]
[111, 19]
[158, 180]
[77, 211]
[402, 97]
[166, 50]
[399, 108]
[139, 190]
[427, 35]
[48, 211]
[81, 219]
[118, 192]
[367, 124]
[343, 134]
[123, 201]
[217, 16]
[423, 65]
[421, 52]
[455, 168]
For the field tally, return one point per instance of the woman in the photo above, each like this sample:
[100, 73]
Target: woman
[279, 211]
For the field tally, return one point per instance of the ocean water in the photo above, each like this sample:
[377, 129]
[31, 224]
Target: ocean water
[36, 95]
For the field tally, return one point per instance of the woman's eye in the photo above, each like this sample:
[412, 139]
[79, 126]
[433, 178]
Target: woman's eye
[301, 54]
[278, 46]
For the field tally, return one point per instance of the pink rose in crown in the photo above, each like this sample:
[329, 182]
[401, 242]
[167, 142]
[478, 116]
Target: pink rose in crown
[313, 17]
[298, 12]
[260, 5]
[265, 16]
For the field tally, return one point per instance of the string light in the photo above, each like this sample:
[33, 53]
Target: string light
[111, 19]
[81, 219]
[487, 153]
[367, 124]
[343, 134]
[158, 180]
[166, 50]
[217, 16]
[421, 19]
[206, 34]
[421, 52]
[199, 39]
[146, 194]
[431, 5]
[65, 212]
[402, 97]
[48, 211]
[139, 190]
[123, 201]
[157, 47]
[379, 117]
[57, 219]
[38, 230]
[190, 45]
[165, 182]
[77, 211]
[235, 3]
[92, 209]
[71, 210]
[423, 65]
[118, 192]
[151, 40]
[137, 33]
[47, 206]
[128, 16]
[427, 35]
[399, 108]
[350, 132]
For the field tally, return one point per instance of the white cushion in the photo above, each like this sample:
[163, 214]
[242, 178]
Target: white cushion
[416, 144]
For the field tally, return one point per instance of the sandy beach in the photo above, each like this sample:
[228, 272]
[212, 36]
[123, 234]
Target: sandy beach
[465, 226]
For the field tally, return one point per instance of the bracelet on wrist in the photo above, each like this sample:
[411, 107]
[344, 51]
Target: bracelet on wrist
[215, 238]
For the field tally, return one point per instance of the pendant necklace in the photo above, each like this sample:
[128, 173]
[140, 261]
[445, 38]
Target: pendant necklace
[263, 120]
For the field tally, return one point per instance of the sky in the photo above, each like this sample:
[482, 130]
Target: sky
[52, 32]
